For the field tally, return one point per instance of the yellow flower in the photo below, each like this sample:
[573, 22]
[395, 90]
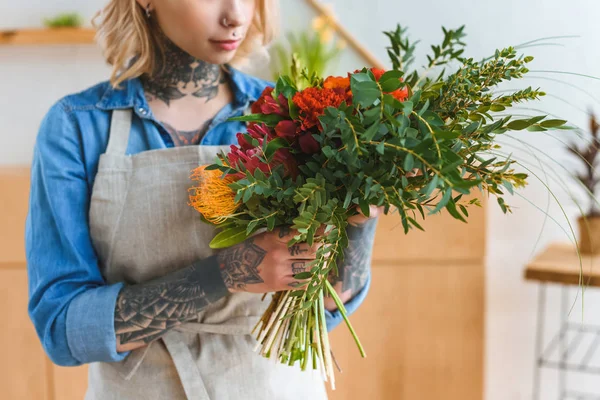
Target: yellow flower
[326, 35]
[213, 198]
[318, 23]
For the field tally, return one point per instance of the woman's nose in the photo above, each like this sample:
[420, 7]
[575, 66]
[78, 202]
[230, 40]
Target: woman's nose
[234, 13]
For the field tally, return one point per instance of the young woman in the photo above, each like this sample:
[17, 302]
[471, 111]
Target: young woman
[120, 272]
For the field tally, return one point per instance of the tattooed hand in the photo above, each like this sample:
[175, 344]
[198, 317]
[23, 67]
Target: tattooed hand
[354, 268]
[264, 263]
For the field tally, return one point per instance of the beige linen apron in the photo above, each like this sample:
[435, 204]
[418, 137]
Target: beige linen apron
[142, 228]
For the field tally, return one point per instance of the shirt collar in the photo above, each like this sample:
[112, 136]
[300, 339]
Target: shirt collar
[131, 94]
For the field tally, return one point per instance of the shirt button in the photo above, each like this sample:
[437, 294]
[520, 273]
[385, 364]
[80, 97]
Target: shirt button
[142, 110]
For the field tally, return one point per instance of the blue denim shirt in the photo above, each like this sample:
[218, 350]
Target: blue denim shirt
[70, 303]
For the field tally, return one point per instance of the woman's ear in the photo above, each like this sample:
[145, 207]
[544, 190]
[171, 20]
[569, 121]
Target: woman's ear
[145, 4]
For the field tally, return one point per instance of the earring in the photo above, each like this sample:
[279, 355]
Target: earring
[148, 11]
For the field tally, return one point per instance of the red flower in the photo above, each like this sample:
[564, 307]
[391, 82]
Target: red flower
[260, 130]
[256, 106]
[312, 103]
[308, 144]
[287, 129]
[249, 159]
[284, 157]
[243, 142]
[266, 104]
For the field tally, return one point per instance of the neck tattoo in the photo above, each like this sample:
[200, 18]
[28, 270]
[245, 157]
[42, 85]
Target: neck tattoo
[181, 75]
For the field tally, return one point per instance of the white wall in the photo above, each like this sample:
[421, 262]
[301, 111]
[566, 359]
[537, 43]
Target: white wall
[32, 78]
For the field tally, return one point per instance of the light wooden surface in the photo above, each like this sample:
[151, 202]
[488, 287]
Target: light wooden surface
[14, 187]
[23, 365]
[422, 329]
[44, 36]
[559, 263]
[70, 383]
[444, 239]
[25, 370]
[422, 323]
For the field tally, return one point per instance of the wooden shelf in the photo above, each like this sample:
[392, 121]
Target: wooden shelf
[45, 36]
[559, 263]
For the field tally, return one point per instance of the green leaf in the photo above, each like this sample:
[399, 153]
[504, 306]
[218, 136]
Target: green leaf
[380, 147]
[472, 128]
[519, 125]
[409, 162]
[451, 207]
[229, 237]
[364, 207]
[390, 81]
[553, 123]
[271, 119]
[431, 186]
[303, 275]
[502, 205]
[251, 226]
[348, 199]
[448, 135]
[537, 119]
[273, 146]
[370, 133]
[247, 195]
[433, 119]
[365, 92]
[408, 108]
[412, 221]
[271, 223]
[445, 199]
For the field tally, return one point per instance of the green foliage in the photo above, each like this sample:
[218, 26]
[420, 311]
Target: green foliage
[446, 130]
[64, 20]
[304, 50]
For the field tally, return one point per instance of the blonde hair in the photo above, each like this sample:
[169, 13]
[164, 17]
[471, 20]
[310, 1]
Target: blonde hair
[130, 42]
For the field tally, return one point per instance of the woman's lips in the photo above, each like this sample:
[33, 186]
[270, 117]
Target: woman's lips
[226, 44]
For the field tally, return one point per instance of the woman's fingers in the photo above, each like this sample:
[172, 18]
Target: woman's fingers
[360, 218]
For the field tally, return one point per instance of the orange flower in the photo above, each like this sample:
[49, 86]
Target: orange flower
[378, 72]
[340, 85]
[213, 198]
[336, 82]
[312, 103]
[401, 94]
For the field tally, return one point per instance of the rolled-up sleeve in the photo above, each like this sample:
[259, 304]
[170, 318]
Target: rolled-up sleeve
[70, 304]
[334, 318]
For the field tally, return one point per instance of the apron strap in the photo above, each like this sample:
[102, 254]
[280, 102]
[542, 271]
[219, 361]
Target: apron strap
[189, 374]
[188, 371]
[120, 126]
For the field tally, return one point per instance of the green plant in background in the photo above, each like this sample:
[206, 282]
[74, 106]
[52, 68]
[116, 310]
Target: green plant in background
[63, 20]
[315, 49]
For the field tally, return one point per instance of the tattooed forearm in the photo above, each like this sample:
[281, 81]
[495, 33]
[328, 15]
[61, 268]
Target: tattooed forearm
[239, 265]
[147, 310]
[354, 268]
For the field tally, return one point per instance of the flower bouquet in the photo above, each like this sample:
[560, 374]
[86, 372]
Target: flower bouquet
[314, 157]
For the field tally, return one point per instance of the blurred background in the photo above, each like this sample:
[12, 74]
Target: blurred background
[450, 315]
